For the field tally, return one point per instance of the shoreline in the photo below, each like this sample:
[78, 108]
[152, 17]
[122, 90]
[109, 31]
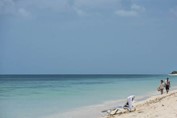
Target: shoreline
[158, 106]
[94, 111]
[74, 98]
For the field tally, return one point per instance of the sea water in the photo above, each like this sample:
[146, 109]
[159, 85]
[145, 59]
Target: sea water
[38, 96]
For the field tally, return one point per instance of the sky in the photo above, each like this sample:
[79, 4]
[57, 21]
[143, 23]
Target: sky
[88, 36]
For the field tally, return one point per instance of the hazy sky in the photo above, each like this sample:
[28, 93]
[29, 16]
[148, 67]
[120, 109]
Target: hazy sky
[88, 36]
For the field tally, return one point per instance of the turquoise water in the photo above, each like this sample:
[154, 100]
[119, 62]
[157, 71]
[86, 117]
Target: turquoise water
[29, 96]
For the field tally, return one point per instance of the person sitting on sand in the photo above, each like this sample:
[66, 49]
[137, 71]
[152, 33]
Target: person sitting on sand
[167, 85]
[129, 103]
[161, 87]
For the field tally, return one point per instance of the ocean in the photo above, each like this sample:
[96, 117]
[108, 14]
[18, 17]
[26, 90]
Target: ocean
[71, 96]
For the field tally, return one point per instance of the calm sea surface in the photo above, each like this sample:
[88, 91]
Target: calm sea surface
[36, 96]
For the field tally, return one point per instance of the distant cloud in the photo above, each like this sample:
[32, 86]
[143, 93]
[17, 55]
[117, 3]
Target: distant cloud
[80, 7]
[24, 12]
[27, 8]
[7, 7]
[135, 10]
[92, 7]
[96, 4]
[173, 11]
[10, 7]
[126, 13]
[80, 12]
[54, 5]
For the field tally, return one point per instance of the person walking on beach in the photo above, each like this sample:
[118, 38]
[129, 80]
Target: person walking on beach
[161, 87]
[167, 85]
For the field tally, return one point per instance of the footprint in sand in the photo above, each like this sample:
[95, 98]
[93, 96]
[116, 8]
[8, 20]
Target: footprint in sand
[140, 111]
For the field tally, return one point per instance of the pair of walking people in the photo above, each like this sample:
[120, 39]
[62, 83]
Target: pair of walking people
[165, 85]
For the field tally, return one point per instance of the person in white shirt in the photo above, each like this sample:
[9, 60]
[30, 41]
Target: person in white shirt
[161, 87]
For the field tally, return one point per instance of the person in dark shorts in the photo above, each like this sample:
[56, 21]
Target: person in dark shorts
[167, 85]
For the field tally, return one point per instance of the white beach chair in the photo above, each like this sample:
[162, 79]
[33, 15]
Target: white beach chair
[119, 109]
[129, 104]
[113, 111]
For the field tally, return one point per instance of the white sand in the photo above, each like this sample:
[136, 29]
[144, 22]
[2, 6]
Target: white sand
[161, 106]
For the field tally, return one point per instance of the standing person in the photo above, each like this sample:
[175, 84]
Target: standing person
[161, 87]
[167, 85]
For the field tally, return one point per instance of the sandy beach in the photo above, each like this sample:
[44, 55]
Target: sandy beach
[160, 106]
[157, 106]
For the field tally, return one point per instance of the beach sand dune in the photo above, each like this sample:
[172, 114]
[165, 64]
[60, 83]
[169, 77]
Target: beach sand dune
[161, 106]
